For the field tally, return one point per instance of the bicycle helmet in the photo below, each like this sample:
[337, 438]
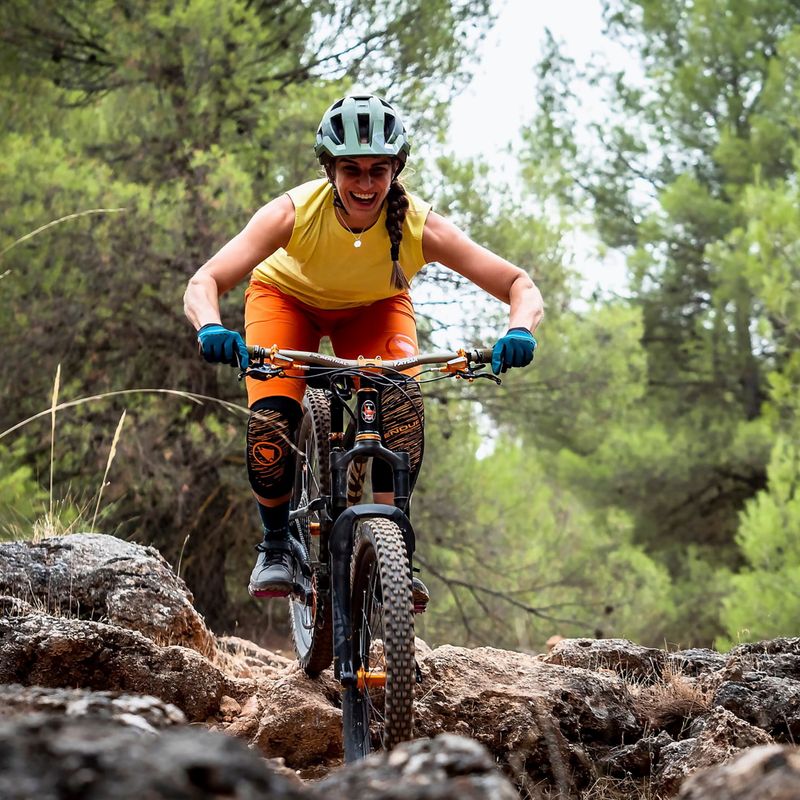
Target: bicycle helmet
[361, 125]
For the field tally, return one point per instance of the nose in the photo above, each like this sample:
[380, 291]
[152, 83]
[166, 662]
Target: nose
[365, 181]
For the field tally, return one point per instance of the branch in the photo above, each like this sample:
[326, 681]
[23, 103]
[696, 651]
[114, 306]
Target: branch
[475, 589]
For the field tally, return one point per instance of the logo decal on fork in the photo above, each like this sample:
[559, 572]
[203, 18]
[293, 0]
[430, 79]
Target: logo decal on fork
[368, 411]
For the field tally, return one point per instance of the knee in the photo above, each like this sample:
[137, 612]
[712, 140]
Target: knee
[271, 433]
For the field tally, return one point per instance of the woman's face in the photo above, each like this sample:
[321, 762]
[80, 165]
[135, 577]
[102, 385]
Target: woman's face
[363, 183]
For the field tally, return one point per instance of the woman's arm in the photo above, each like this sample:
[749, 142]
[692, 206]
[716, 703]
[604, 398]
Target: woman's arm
[444, 242]
[269, 229]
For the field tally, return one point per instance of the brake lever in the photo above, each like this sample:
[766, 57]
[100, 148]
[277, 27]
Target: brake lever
[471, 375]
[261, 373]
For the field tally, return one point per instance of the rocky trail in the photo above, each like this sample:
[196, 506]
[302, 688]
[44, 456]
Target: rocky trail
[111, 685]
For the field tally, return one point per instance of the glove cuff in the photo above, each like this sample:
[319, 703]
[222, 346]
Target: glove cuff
[208, 325]
[527, 330]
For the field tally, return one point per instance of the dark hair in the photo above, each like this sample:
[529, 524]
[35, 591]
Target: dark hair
[396, 208]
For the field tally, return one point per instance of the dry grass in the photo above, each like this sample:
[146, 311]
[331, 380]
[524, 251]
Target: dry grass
[63, 516]
[111, 453]
[53, 223]
[673, 701]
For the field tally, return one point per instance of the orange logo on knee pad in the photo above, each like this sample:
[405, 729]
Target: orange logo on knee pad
[266, 453]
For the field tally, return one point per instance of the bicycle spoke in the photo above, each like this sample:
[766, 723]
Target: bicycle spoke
[373, 656]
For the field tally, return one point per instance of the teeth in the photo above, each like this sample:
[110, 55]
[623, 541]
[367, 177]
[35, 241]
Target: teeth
[363, 196]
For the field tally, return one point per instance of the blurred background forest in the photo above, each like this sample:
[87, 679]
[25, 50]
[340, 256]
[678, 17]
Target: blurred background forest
[641, 480]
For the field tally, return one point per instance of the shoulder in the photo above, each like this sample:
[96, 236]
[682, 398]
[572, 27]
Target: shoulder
[310, 191]
[274, 222]
[440, 237]
[416, 205]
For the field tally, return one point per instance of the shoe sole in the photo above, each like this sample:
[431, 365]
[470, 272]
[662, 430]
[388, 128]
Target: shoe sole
[295, 590]
[277, 591]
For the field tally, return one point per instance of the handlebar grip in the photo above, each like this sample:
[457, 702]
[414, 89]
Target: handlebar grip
[257, 352]
[482, 356]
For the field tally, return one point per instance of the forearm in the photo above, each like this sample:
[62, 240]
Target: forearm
[201, 301]
[527, 306]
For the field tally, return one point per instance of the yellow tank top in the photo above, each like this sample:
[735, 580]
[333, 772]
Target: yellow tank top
[320, 266]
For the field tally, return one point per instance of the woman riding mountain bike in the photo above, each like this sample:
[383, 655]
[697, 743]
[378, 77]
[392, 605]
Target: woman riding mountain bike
[334, 257]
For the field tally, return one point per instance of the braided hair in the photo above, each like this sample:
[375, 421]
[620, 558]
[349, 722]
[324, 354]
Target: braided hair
[396, 208]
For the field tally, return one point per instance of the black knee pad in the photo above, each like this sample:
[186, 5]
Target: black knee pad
[403, 421]
[271, 437]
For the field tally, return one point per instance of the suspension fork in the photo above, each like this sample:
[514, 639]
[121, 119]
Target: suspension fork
[341, 546]
[367, 444]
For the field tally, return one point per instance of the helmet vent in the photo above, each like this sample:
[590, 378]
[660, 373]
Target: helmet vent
[363, 128]
[338, 127]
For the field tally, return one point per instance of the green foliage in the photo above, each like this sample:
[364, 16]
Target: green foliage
[763, 599]
[692, 174]
[188, 117]
[513, 557]
[21, 497]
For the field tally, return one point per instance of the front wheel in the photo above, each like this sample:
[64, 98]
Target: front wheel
[312, 621]
[379, 711]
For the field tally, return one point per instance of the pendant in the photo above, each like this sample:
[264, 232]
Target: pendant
[357, 243]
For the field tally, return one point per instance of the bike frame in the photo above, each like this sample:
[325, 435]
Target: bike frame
[337, 520]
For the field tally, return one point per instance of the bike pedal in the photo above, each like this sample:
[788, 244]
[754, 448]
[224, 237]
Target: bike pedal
[302, 595]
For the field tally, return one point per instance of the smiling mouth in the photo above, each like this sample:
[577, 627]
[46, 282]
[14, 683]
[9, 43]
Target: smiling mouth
[365, 199]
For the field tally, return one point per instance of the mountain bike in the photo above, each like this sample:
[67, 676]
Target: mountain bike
[352, 604]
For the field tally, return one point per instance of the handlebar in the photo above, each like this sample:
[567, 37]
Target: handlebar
[298, 359]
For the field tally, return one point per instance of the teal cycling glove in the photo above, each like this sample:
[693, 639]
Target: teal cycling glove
[218, 345]
[515, 349]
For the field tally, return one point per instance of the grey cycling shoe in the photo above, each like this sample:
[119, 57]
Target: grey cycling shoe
[274, 574]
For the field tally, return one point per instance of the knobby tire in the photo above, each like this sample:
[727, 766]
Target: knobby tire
[383, 641]
[312, 626]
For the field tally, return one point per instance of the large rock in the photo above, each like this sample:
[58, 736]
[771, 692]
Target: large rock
[59, 758]
[719, 736]
[771, 772]
[298, 720]
[40, 650]
[764, 701]
[98, 577]
[139, 711]
[428, 769]
[631, 661]
[544, 722]
[779, 658]
[635, 760]
[695, 661]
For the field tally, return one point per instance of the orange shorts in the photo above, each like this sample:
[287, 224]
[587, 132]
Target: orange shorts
[387, 328]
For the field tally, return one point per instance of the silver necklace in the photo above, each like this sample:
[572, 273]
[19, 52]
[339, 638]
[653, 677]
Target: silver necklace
[357, 242]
